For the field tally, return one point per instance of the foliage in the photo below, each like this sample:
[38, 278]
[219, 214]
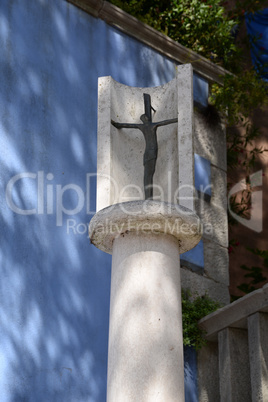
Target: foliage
[200, 26]
[240, 94]
[209, 27]
[254, 273]
[193, 309]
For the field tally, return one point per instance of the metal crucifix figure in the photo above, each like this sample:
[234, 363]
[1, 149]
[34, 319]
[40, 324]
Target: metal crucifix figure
[148, 129]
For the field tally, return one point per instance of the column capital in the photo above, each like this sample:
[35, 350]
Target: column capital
[142, 217]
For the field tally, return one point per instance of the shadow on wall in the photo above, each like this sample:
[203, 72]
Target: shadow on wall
[54, 286]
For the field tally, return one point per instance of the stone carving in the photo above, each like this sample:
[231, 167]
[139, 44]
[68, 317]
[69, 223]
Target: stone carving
[148, 129]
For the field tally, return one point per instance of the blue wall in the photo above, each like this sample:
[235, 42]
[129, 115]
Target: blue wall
[54, 289]
[257, 28]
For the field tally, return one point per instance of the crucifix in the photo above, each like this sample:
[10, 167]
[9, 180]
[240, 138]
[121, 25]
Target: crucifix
[148, 129]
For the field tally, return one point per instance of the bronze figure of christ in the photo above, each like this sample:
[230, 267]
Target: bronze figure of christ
[148, 129]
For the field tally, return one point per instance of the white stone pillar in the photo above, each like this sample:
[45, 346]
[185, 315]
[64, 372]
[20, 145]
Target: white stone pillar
[258, 351]
[145, 362]
[234, 365]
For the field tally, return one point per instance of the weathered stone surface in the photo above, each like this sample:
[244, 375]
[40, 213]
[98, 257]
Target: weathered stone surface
[214, 221]
[211, 184]
[185, 136]
[202, 285]
[236, 313]
[120, 151]
[145, 360]
[234, 365]
[258, 352]
[141, 217]
[105, 184]
[219, 187]
[216, 261]
[210, 141]
[208, 373]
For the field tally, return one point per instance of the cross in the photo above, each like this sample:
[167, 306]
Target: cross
[148, 129]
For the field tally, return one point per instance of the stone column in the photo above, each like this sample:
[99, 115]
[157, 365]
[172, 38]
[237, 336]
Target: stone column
[145, 361]
[258, 351]
[234, 365]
